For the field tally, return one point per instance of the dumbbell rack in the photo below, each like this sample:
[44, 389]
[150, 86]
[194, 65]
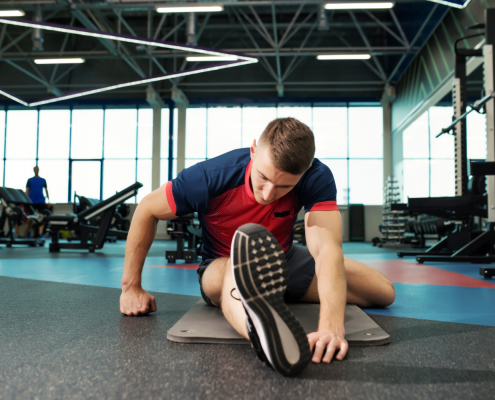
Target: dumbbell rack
[394, 221]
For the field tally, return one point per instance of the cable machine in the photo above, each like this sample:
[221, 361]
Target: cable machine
[465, 244]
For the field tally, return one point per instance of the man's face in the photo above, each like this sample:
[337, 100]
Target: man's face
[269, 183]
[36, 170]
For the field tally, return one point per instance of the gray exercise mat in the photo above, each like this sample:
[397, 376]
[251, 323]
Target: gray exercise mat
[206, 324]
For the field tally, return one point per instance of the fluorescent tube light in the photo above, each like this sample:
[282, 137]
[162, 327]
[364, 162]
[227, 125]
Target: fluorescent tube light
[12, 13]
[357, 6]
[343, 57]
[200, 58]
[59, 61]
[187, 9]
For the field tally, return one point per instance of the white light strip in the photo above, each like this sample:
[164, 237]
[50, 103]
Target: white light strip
[206, 58]
[109, 36]
[141, 82]
[186, 9]
[14, 98]
[357, 6]
[59, 61]
[31, 24]
[12, 13]
[343, 57]
[450, 3]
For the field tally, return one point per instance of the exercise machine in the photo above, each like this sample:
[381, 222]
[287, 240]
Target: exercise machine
[477, 247]
[185, 229]
[91, 236]
[463, 242]
[12, 201]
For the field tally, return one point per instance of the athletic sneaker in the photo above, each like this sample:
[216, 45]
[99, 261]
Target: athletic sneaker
[261, 275]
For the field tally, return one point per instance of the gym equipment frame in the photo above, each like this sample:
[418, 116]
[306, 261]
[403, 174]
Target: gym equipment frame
[80, 223]
[185, 228]
[463, 206]
[12, 213]
[480, 249]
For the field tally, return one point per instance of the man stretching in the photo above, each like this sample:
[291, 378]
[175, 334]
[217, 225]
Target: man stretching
[247, 201]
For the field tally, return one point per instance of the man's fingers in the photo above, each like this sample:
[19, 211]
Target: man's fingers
[319, 349]
[311, 342]
[153, 304]
[344, 347]
[332, 346]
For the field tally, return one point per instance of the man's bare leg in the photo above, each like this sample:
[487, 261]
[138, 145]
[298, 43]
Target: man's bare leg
[366, 287]
[217, 283]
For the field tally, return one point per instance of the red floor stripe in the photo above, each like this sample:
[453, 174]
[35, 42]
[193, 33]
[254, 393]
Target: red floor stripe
[401, 271]
[177, 266]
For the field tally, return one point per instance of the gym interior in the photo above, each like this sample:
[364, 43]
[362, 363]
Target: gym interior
[112, 99]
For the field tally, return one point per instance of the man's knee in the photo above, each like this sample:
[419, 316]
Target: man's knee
[368, 285]
[389, 293]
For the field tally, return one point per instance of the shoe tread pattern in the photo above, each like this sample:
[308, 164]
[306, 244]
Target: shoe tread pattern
[264, 276]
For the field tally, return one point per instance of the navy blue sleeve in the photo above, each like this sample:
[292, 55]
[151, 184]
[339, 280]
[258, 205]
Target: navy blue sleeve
[188, 192]
[28, 184]
[317, 190]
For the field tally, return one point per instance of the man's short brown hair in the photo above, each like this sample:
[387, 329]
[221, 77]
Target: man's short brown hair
[291, 143]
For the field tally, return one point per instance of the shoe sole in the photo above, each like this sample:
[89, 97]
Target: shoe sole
[261, 274]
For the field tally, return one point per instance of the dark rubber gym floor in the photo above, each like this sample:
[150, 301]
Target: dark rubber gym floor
[69, 341]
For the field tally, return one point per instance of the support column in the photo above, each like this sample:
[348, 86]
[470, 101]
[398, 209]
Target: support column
[459, 100]
[387, 98]
[156, 103]
[490, 125]
[181, 102]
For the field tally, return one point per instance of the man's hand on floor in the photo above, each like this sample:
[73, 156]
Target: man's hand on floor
[136, 301]
[324, 344]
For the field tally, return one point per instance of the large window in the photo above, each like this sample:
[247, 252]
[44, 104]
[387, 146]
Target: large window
[53, 151]
[89, 152]
[98, 151]
[348, 140]
[429, 162]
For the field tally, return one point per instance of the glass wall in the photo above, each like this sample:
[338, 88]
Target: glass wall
[90, 152]
[348, 140]
[97, 152]
[429, 162]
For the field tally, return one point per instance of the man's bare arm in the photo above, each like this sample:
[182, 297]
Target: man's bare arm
[154, 207]
[324, 239]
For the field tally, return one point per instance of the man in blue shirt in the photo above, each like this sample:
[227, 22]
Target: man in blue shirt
[34, 189]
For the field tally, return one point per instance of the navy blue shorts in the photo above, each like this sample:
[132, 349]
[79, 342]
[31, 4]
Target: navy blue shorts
[301, 272]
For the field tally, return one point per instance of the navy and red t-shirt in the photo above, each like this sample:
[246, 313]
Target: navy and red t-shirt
[220, 192]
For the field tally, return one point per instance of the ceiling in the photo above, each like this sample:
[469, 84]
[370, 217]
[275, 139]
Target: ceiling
[286, 36]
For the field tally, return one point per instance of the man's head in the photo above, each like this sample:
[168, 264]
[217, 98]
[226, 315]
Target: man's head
[36, 170]
[284, 152]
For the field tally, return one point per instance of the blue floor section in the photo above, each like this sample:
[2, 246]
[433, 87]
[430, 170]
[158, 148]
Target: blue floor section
[430, 302]
[105, 272]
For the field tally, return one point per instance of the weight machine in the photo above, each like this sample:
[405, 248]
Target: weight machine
[464, 205]
[464, 244]
[12, 213]
[91, 237]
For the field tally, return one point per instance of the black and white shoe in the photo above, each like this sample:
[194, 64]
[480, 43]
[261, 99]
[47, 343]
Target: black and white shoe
[260, 274]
